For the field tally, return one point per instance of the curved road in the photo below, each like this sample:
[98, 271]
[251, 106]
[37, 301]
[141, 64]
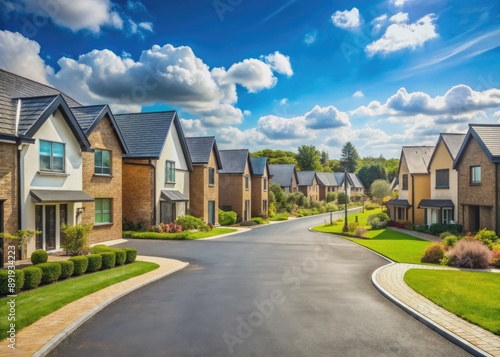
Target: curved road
[277, 290]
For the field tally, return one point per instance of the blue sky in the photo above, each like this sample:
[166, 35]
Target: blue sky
[271, 74]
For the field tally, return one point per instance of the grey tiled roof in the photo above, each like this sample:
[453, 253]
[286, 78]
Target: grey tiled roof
[282, 174]
[200, 149]
[426, 203]
[259, 165]
[31, 110]
[398, 203]
[453, 143]
[339, 177]
[234, 161]
[306, 178]
[417, 158]
[145, 133]
[326, 179]
[490, 136]
[355, 181]
[86, 116]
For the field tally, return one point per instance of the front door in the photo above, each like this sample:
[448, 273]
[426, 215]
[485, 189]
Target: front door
[211, 212]
[167, 212]
[50, 227]
[474, 218]
[247, 210]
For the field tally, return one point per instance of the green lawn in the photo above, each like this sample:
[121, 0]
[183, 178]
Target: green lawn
[178, 236]
[34, 304]
[471, 295]
[399, 247]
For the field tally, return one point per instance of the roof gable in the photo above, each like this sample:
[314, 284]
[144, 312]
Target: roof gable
[282, 174]
[487, 136]
[326, 179]
[452, 143]
[235, 161]
[200, 149]
[259, 166]
[306, 178]
[417, 158]
[355, 181]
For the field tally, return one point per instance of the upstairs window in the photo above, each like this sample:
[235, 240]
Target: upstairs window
[170, 172]
[247, 184]
[475, 175]
[211, 176]
[51, 156]
[405, 182]
[443, 178]
[265, 183]
[102, 162]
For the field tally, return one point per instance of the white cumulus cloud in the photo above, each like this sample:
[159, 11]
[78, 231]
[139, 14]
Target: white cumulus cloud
[358, 94]
[252, 74]
[326, 118]
[347, 20]
[400, 17]
[280, 63]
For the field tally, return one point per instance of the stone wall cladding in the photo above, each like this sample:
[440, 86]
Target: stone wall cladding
[103, 137]
[8, 188]
[137, 191]
[481, 195]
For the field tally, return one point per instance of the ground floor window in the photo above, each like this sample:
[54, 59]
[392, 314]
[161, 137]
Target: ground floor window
[264, 205]
[434, 216]
[401, 213]
[447, 215]
[211, 212]
[48, 220]
[103, 211]
[167, 212]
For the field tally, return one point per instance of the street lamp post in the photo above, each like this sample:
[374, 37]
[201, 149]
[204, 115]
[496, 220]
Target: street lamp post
[346, 226]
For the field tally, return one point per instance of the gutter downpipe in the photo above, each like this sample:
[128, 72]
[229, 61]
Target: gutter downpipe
[413, 199]
[154, 191]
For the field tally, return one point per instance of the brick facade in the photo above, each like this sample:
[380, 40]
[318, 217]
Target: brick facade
[201, 192]
[259, 195]
[103, 186]
[477, 199]
[232, 192]
[8, 189]
[311, 192]
[137, 195]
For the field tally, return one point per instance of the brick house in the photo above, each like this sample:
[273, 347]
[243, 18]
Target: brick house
[478, 167]
[355, 184]
[156, 169]
[284, 175]
[102, 172]
[442, 206]
[260, 189]
[204, 180]
[235, 184]
[47, 162]
[414, 184]
[327, 183]
[308, 184]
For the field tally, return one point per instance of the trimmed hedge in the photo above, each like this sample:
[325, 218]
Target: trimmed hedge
[95, 263]
[4, 281]
[80, 264]
[131, 255]
[51, 271]
[108, 260]
[100, 248]
[438, 228]
[67, 268]
[121, 256]
[227, 218]
[39, 256]
[32, 277]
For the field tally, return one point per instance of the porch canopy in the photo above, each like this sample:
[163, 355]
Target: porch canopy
[427, 203]
[52, 196]
[399, 203]
[173, 196]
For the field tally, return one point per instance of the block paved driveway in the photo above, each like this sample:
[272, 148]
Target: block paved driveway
[277, 290]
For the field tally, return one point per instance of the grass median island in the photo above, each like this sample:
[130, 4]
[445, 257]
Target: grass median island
[178, 236]
[32, 305]
[473, 296]
[400, 247]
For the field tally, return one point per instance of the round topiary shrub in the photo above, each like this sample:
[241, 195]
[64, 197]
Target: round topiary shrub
[51, 271]
[67, 268]
[32, 277]
[95, 263]
[80, 264]
[121, 256]
[108, 260]
[433, 254]
[10, 287]
[100, 248]
[131, 255]
[39, 256]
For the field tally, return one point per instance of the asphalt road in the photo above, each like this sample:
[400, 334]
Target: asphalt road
[277, 290]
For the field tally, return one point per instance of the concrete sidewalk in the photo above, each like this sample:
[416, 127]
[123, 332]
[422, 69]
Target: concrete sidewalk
[389, 281]
[41, 337]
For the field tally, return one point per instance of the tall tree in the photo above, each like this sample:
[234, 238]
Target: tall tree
[335, 166]
[368, 174]
[308, 158]
[391, 167]
[349, 157]
[324, 158]
[380, 189]
[277, 156]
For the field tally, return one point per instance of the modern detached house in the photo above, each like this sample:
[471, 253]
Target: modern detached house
[478, 167]
[47, 160]
[442, 206]
[284, 175]
[156, 169]
[414, 184]
[235, 183]
[327, 183]
[102, 171]
[308, 184]
[260, 187]
[204, 180]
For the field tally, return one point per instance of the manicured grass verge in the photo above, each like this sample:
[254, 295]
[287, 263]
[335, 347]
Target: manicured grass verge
[397, 246]
[178, 236]
[34, 304]
[471, 295]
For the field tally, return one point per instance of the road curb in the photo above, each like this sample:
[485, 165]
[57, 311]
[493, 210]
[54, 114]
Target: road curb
[57, 339]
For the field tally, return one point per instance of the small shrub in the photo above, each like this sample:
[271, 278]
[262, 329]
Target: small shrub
[18, 281]
[131, 255]
[371, 206]
[487, 237]
[108, 260]
[378, 220]
[100, 248]
[227, 218]
[258, 220]
[360, 231]
[495, 256]
[95, 262]
[470, 254]
[128, 225]
[121, 256]
[156, 235]
[32, 277]
[332, 207]
[444, 235]
[51, 271]
[450, 241]
[433, 254]
[351, 227]
[330, 197]
[422, 229]
[80, 264]
[189, 222]
[279, 217]
[39, 256]
[342, 198]
[67, 268]
[77, 238]
[167, 228]
[438, 228]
